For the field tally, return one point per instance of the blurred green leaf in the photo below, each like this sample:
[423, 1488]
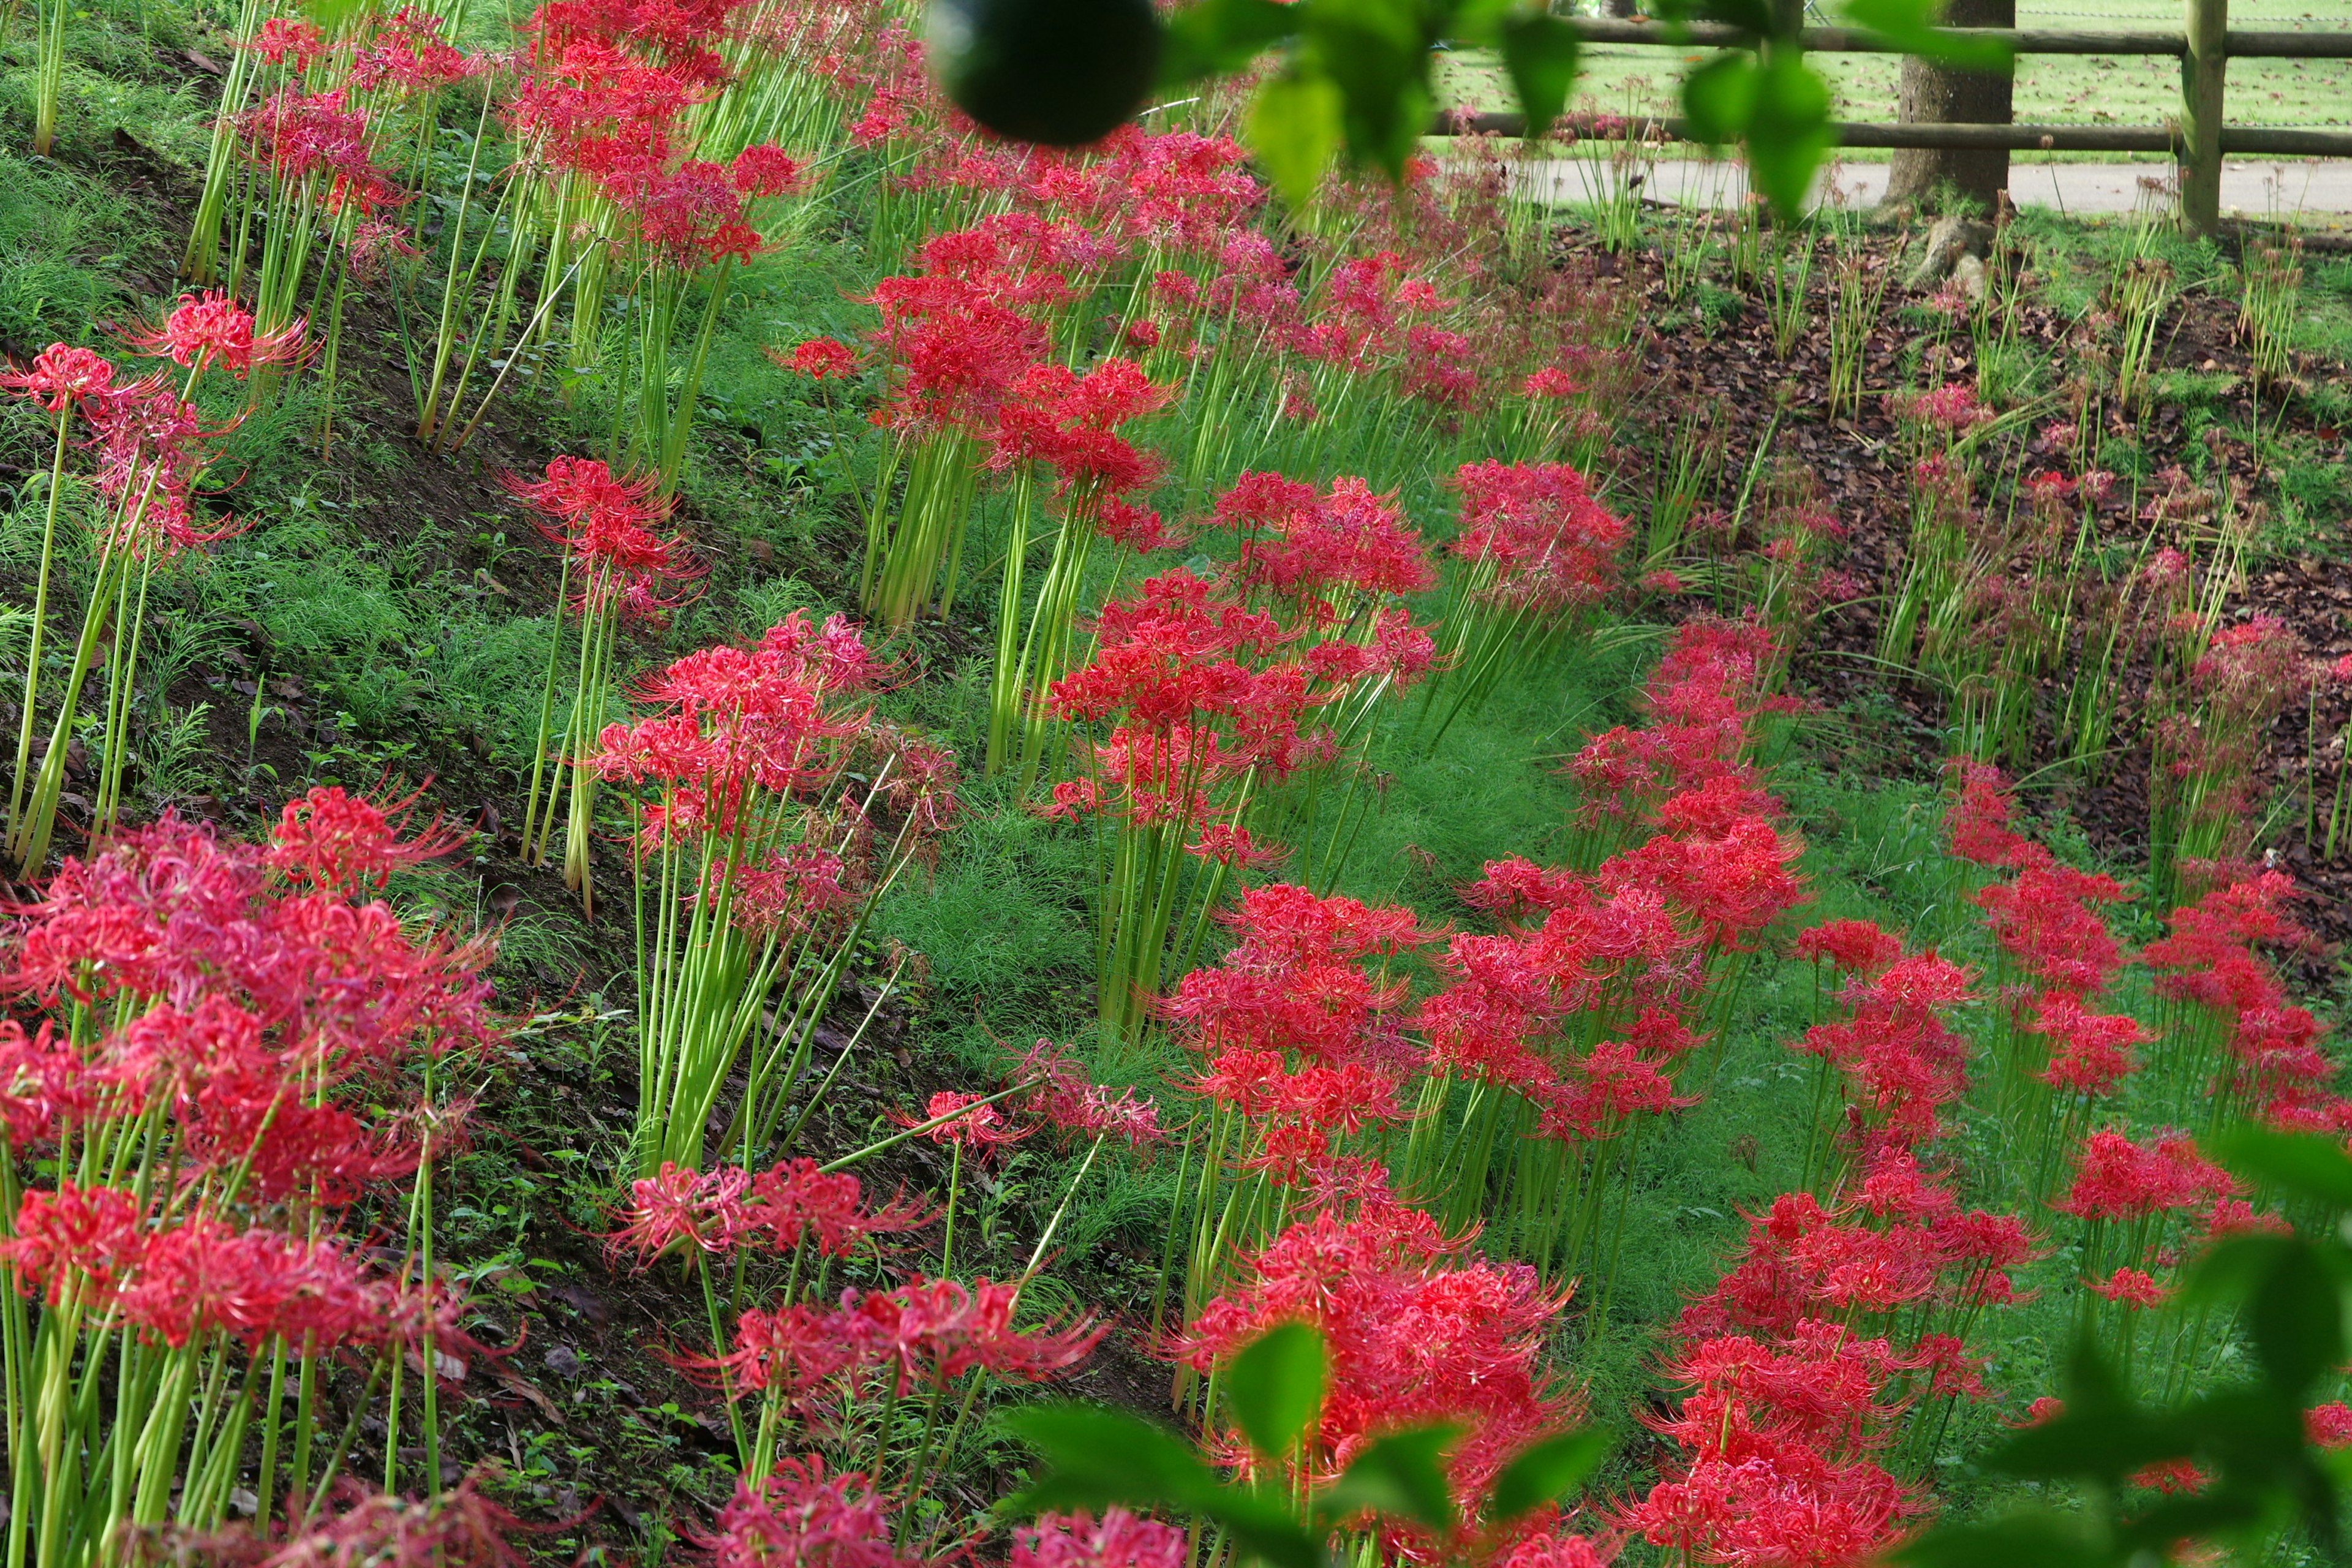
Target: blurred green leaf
[1545, 1472]
[2102, 1434]
[1540, 52]
[1401, 1475]
[1216, 36]
[1294, 128]
[2036, 1539]
[2304, 1164]
[1274, 1386]
[1096, 1456]
[1910, 27]
[1788, 131]
[2295, 1318]
[1719, 97]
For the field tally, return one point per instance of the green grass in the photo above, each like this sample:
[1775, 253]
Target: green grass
[2066, 89]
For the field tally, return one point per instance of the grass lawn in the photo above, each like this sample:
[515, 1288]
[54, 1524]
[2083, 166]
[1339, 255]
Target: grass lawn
[2051, 89]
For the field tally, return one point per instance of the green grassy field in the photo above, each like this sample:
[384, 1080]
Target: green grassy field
[2051, 88]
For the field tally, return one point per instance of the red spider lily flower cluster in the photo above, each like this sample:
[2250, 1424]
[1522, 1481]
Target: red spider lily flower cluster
[1899, 1063]
[737, 729]
[248, 986]
[603, 98]
[971, 1122]
[319, 141]
[1070, 422]
[1816, 1348]
[925, 1334]
[1068, 1100]
[2116, 1178]
[152, 448]
[1117, 1540]
[2266, 1052]
[790, 1205]
[1418, 1330]
[1324, 558]
[1537, 541]
[1183, 670]
[605, 525]
[211, 332]
[1291, 1032]
[1704, 700]
[798, 1513]
[1622, 949]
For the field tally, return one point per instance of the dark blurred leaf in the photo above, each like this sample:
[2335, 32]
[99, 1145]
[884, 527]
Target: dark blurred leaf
[1402, 1475]
[1216, 36]
[2102, 1434]
[2023, 1540]
[1545, 1472]
[1095, 1458]
[1909, 25]
[1294, 128]
[2304, 1164]
[1377, 52]
[2296, 1317]
[1276, 1388]
[1540, 52]
[1788, 131]
[1719, 97]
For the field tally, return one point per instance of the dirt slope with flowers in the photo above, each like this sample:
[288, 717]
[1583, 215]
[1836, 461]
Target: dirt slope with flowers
[713, 779]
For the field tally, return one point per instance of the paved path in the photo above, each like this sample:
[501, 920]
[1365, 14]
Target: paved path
[2317, 187]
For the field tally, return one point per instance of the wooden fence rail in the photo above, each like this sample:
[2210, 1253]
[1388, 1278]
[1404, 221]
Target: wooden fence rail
[2200, 141]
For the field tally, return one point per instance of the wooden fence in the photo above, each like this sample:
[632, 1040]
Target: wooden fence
[2200, 140]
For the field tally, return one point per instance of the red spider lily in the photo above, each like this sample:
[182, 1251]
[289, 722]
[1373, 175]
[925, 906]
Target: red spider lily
[1070, 422]
[1321, 553]
[1901, 1064]
[1070, 1102]
[728, 720]
[788, 1204]
[1416, 1332]
[168, 913]
[1541, 542]
[285, 38]
[930, 1331]
[302, 137]
[797, 1513]
[1854, 947]
[2091, 1053]
[209, 330]
[2130, 1287]
[177, 1279]
[820, 359]
[151, 450]
[955, 348]
[764, 169]
[2045, 917]
[604, 524]
[2116, 1178]
[333, 841]
[1117, 1540]
[63, 378]
[2329, 1425]
[982, 1128]
[935, 1331]
[406, 51]
[457, 1525]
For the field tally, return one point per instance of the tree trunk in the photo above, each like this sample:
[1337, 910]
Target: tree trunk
[1932, 92]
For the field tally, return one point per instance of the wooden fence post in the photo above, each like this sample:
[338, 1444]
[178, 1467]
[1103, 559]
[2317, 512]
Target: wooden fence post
[2202, 70]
